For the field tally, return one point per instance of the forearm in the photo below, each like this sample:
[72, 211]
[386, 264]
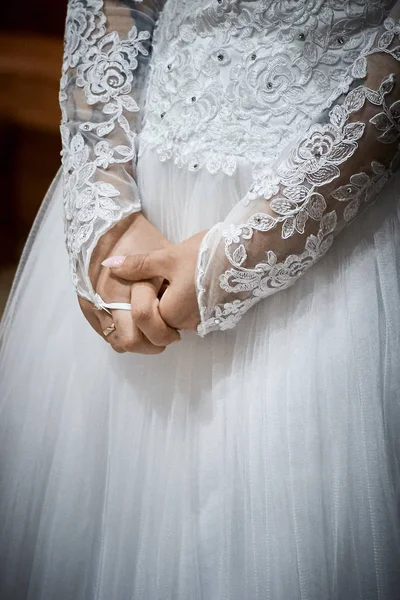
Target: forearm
[105, 64]
[289, 218]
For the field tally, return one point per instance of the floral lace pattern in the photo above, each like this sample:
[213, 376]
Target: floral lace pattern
[98, 96]
[300, 191]
[230, 80]
[233, 79]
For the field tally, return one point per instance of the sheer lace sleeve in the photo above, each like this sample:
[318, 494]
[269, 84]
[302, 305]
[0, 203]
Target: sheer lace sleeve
[290, 217]
[107, 48]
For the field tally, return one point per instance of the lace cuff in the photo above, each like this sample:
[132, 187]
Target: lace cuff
[289, 218]
[107, 48]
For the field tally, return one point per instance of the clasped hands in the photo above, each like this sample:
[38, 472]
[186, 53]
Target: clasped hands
[134, 263]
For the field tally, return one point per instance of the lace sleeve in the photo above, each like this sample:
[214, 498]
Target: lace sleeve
[289, 218]
[107, 48]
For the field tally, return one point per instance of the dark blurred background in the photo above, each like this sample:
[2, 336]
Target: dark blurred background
[31, 34]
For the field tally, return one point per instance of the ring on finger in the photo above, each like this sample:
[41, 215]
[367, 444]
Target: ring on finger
[109, 330]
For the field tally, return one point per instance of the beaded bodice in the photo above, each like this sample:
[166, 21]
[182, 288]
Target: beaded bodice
[232, 79]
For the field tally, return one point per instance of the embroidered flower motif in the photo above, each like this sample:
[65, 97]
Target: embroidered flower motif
[265, 186]
[84, 25]
[107, 70]
[268, 85]
[286, 13]
[317, 156]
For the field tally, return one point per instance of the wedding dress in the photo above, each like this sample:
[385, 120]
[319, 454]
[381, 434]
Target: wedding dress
[260, 458]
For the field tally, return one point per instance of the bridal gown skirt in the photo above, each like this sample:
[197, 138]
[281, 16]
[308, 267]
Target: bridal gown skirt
[257, 464]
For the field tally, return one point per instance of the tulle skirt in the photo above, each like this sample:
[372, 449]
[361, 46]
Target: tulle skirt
[260, 463]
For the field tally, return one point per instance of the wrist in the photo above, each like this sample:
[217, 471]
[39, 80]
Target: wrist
[134, 234]
[106, 245]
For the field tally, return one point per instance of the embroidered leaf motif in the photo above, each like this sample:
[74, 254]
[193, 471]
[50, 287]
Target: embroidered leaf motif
[288, 228]
[301, 220]
[106, 189]
[374, 97]
[316, 206]
[377, 167]
[105, 128]
[296, 193]
[395, 110]
[123, 150]
[282, 206]
[360, 179]
[85, 197]
[87, 213]
[239, 255]
[328, 222]
[77, 143]
[110, 109]
[329, 59]
[359, 68]
[337, 115]
[86, 172]
[387, 85]
[129, 103]
[324, 175]
[123, 121]
[351, 210]
[262, 222]
[385, 40]
[353, 131]
[355, 99]
[345, 192]
[396, 53]
[381, 121]
[390, 136]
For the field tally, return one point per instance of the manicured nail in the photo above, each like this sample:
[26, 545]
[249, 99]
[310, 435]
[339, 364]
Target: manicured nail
[113, 261]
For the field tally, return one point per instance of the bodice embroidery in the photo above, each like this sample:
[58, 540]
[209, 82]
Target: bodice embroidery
[235, 79]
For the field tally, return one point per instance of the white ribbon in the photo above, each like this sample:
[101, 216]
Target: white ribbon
[108, 306]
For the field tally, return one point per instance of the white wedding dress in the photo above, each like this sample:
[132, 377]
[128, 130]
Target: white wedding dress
[260, 459]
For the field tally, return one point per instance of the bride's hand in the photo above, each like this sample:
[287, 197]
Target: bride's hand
[142, 330]
[175, 263]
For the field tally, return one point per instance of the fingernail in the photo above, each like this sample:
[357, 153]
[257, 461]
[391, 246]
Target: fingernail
[113, 261]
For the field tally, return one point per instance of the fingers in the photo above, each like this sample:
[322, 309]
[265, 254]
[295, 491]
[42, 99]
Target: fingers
[138, 267]
[129, 336]
[90, 315]
[100, 320]
[142, 330]
[179, 306]
[106, 320]
[146, 315]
